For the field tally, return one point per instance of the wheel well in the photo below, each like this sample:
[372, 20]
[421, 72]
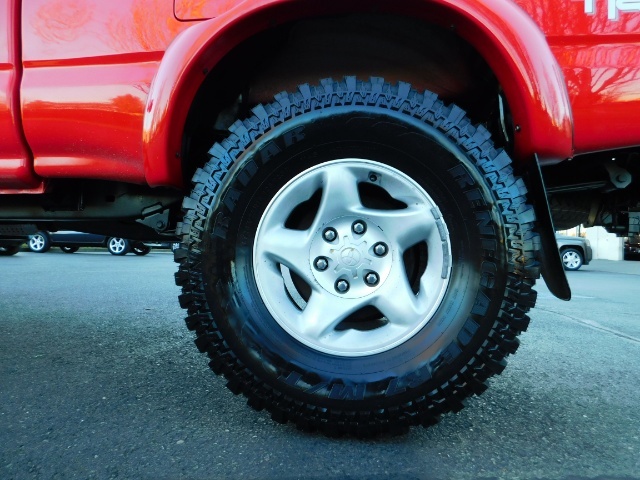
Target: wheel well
[600, 189]
[394, 47]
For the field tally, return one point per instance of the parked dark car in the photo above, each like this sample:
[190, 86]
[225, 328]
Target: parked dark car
[70, 242]
[632, 248]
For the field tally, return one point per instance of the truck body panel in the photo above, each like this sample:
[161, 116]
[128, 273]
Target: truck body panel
[598, 48]
[504, 35]
[89, 111]
[87, 70]
[16, 170]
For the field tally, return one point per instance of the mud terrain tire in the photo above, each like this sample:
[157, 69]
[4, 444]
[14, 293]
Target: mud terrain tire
[316, 182]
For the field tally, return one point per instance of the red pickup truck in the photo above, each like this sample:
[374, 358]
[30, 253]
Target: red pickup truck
[364, 192]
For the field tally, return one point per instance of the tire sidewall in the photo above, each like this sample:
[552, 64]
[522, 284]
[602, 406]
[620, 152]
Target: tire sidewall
[449, 339]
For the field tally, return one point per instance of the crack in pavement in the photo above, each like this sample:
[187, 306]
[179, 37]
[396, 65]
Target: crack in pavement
[592, 324]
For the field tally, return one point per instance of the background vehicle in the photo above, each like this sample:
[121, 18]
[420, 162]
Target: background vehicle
[632, 248]
[364, 192]
[9, 249]
[70, 242]
[574, 251]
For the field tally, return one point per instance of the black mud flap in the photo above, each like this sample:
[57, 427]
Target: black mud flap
[552, 267]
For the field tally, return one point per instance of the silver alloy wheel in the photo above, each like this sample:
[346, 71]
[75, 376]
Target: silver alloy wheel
[351, 258]
[571, 260]
[37, 242]
[117, 245]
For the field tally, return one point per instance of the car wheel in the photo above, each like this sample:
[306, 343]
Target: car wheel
[68, 249]
[118, 246]
[39, 242]
[140, 249]
[357, 257]
[572, 259]
[8, 250]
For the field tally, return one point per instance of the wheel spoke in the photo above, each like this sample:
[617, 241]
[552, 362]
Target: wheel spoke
[324, 313]
[339, 195]
[405, 227]
[288, 247]
[397, 302]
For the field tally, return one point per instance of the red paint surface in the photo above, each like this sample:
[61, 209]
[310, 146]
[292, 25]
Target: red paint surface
[88, 67]
[600, 60]
[100, 98]
[202, 9]
[16, 170]
[502, 32]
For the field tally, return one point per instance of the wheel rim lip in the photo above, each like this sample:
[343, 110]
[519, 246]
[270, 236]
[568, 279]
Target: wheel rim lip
[571, 259]
[116, 245]
[37, 242]
[273, 302]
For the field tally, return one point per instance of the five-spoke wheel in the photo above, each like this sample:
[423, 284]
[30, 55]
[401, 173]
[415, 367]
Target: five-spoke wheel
[118, 246]
[341, 285]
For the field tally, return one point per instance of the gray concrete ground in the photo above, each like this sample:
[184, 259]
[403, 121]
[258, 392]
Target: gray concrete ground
[100, 379]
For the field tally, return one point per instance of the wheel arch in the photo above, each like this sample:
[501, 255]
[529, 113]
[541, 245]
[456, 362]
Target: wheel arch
[503, 34]
[578, 248]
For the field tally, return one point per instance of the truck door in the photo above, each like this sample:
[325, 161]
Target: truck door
[88, 67]
[16, 171]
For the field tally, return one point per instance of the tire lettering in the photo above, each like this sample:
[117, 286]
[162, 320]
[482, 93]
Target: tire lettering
[460, 175]
[267, 152]
[411, 380]
[488, 271]
[394, 388]
[489, 247]
[247, 173]
[221, 226]
[343, 392]
[335, 391]
[231, 198]
[475, 198]
[484, 223]
[293, 136]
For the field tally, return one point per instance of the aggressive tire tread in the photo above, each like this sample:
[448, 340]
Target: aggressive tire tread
[522, 242]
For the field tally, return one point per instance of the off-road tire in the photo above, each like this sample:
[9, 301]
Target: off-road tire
[490, 235]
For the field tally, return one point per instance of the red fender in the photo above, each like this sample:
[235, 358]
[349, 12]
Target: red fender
[507, 38]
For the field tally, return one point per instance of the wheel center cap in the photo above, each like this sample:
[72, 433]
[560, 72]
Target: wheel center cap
[350, 256]
[349, 261]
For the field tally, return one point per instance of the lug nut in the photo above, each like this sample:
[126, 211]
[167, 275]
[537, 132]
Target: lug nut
[321, 264]
[359, 227]
[329, 234]
[380, 249]
[342, 286]
[371, 278]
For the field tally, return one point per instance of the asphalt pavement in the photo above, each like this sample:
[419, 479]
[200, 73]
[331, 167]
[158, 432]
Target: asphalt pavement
[99, 378]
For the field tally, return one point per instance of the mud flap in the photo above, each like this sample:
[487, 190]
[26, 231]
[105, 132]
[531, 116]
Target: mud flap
[552, 268]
